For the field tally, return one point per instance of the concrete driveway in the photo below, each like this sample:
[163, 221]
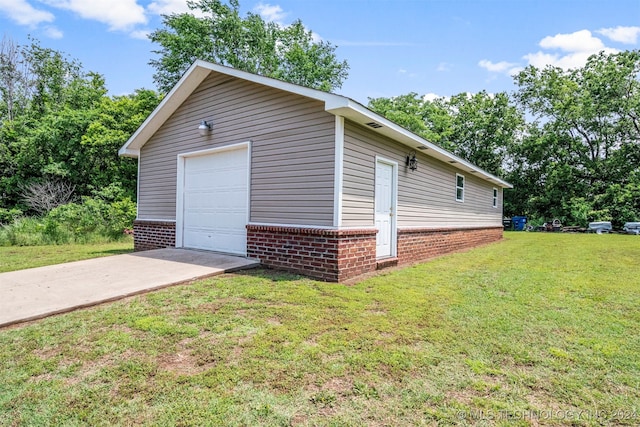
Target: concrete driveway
[39, 292]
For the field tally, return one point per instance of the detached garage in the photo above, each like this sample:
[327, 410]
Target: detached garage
[300, 179]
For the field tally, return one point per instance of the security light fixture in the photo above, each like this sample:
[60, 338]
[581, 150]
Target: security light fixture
[204, 127]
[412, 162]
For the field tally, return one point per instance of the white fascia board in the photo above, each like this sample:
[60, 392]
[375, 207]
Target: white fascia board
[356, 112]
[128, 152]
[334, 104]
[180, 92]
[268, 81]
[191, 79]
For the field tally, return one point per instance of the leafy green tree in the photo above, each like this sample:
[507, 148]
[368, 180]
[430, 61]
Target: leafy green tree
[68, 130]
[250, 44]
[584, 154]
[479, 128]
[428, 119]
[484, 128]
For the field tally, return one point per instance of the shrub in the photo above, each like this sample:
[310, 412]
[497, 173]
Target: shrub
[103, 217]
[8, 216]
[46, 195]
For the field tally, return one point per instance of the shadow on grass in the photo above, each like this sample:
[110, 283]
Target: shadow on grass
[112, 252]
[272, 275]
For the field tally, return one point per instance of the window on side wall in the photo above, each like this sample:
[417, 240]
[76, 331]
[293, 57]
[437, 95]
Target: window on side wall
[460, 188]
[495, 197]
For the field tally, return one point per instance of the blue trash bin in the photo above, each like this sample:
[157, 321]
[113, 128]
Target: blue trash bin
[519, 223]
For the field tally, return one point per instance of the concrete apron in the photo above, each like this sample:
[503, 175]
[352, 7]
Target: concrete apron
[40, 292]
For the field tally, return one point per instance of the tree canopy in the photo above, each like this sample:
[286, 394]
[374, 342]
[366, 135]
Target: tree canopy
[581, 158]
[569, 140]
[57, 124]
[249, 43]
[478, 127]
[577, 158]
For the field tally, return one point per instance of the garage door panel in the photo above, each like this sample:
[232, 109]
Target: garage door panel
[224, 220]
[215, 201]
[205, 181]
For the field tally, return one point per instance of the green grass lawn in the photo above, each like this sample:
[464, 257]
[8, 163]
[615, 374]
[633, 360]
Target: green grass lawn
[21, 257]
[539, 329]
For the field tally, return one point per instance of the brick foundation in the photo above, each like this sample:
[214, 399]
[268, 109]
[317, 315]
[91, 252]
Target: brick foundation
[328, 254]
[331, 255]
[419, 244]
[153, 235]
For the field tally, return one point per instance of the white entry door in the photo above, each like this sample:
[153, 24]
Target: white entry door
[215, 205]
[385, 209]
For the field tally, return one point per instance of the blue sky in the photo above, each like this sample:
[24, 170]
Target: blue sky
[437, 47]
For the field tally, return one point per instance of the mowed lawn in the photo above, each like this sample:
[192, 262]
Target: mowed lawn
[21, 257]
[539, 329]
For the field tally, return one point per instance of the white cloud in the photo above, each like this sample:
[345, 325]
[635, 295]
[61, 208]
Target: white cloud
[270, 13]
[580, 41]
[430, 97]
[21, 12]
[627, 35]
[407, 73]
[566, 51]
[140, 34]
[52, 32]
[542, 59]
[579, 46]
[118, 14]
[509, 68]
[167, 7]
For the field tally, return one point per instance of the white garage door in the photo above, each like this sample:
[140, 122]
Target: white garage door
[215, 201]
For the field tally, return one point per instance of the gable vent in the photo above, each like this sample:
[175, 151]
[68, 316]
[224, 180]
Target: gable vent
[374, 125]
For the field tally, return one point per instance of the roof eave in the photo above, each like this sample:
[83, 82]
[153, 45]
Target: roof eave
[128, 152]
[356, 112]
[334, 104]
[190, 80]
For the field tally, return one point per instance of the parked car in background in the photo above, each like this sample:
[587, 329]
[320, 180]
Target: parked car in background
[632, 228]
[600, 227]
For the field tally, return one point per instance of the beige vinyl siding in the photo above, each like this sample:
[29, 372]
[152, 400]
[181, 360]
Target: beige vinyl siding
[292, 159]
[426, 197]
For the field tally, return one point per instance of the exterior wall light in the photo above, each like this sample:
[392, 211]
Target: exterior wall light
[412, 162]
[204, 127]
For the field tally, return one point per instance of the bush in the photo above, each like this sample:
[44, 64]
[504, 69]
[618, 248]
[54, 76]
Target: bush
[8, 216]
[103, 217]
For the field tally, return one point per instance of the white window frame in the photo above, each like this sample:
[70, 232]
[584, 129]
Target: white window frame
[495, 197]
[460, 199]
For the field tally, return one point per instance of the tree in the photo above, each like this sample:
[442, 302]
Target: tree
[67, 130]
[479, 128]
[430, 120]
[250, 44]
[14, 80]
[585, 149]
[484, 128]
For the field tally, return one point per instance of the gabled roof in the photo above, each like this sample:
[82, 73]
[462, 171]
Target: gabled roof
[334, 104]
